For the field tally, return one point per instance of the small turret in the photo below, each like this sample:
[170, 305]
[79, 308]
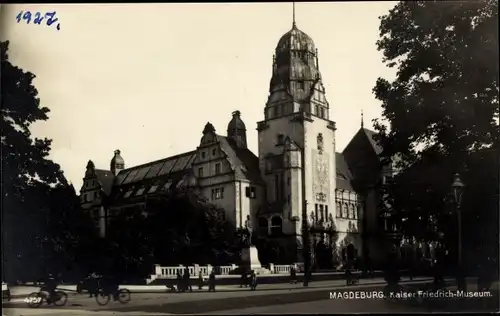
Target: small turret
[117, 163]
[236, 130]
[90, 169]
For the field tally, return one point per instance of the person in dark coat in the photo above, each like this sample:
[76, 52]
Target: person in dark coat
[187, 281]
[211, 281]
[253, 280]
[179, 282]
[200, 281]
[293, 275]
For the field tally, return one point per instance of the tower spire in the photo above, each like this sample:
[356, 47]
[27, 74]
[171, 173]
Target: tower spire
[294, 25]
[362, 123]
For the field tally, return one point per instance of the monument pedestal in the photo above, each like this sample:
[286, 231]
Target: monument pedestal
[250, 258]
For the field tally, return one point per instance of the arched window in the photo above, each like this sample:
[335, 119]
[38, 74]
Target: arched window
[338, 209]
[263, 225]
[344, 210]
[276, 225]
[351, 211]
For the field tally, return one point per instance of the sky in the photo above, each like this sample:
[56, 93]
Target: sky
[146, 78]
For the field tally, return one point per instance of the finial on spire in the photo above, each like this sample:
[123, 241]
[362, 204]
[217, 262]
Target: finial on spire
[294, 25]
[362, 123]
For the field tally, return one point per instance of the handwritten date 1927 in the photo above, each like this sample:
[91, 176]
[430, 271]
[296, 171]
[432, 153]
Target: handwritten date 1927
[37, 17]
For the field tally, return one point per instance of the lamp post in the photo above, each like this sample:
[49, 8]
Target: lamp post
[306, 247]
[458, 189]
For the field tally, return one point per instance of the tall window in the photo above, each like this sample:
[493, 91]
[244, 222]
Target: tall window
[217, 193]
[344, 210]
[277, 186]
[200, 172]
[251, 192]
[217, 168]
[276, 225]
[321, 212]
[351, 211]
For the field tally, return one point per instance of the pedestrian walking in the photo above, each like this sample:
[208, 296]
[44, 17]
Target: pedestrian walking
[200, 281]
[211, 281]
[253, 281]
[179, 282]
[187, 281]
[293, 275]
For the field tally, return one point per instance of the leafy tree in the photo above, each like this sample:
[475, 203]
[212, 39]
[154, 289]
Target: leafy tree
[27, 173]
[181, 228]
[69, 231]
[441, 116]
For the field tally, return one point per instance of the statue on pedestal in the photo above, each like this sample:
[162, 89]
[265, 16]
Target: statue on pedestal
[246, 233]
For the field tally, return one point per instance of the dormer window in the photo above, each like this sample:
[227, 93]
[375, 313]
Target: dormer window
[129, 192]
[167, 185]
[140, 191]
[154, 187]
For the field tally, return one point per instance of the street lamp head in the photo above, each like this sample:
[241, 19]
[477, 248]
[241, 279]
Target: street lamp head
[458, 188]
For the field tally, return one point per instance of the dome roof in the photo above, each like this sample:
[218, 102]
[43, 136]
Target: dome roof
[295, 39]
[236, 123]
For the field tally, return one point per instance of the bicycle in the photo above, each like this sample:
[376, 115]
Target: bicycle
[35, 299]
[103, 297]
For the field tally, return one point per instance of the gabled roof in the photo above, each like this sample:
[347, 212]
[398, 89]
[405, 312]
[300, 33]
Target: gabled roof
[369, 134]
[343, 174]
[243, 162]
[105, 179]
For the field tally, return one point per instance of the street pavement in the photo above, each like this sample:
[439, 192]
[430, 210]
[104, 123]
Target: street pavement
[181, 303]
[268, 298]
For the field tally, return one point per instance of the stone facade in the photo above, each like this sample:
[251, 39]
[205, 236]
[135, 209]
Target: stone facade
[297, 165]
